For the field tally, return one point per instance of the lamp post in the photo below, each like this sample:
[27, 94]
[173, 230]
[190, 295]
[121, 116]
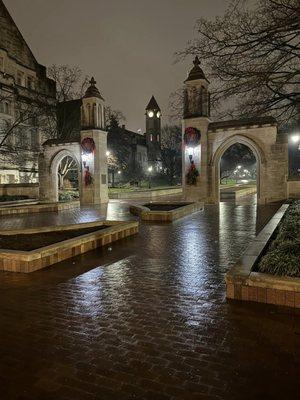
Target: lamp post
[294, 151]
[149, 172]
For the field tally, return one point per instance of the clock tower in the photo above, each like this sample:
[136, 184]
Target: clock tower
[153, 130]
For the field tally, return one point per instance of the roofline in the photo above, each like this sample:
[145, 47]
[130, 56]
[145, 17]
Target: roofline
[235, 123]
[12, 20]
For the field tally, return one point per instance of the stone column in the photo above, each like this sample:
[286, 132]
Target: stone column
[200, 156]
[47, 192]
[95, 164]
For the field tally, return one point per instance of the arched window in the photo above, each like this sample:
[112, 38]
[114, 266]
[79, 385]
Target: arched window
[99, 116]
[204, 102]
[95, 116]
[89, 115]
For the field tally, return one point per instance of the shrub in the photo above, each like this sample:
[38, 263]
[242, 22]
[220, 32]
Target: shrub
[7, 197]
[68, 195]
[283, 255]
[282, 260]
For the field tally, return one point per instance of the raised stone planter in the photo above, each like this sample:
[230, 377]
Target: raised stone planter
[38, 207]
[243, 283]
[147, 193]
[30, 261]
[237, 192]
[181, 209]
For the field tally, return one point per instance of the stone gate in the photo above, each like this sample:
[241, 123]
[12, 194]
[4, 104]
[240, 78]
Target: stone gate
[89, 154]
[204, 143]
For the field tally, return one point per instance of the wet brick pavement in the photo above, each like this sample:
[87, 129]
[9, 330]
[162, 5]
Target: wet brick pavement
[146, 318]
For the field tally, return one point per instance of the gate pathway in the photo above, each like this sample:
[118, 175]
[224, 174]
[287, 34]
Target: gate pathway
[146, 318]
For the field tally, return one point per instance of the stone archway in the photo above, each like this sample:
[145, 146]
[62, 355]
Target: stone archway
[49, 162]
[220, 150]
[57, 159]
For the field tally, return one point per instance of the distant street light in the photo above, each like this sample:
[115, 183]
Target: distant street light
[295, 138]
[239, 167]
[149, 171]
[119, 172]
[107, 153]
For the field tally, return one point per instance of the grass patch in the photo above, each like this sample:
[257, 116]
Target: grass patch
[283, 255]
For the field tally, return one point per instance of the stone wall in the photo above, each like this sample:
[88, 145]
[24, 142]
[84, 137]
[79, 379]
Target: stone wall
[20, 189]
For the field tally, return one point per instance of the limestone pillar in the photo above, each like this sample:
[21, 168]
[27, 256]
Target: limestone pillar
[94, 179]
[94, 176]
[195, 124]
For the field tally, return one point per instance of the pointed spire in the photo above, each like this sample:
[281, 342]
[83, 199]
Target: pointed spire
[92, 81]
[196, 62]
[92, 90]
[196, 72]
[152, 105]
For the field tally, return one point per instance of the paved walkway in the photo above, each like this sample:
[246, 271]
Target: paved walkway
[146, 318]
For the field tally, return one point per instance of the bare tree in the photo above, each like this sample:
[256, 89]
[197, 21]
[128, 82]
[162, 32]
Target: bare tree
[251, 55]
[27, 118]
[113, 118]
[66, 165]
[71, 83]
[171, 152]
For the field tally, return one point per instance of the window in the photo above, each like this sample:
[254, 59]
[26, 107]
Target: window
[151, 137]
[20, 78]
[5, 107]
[30, 82]
[11, 178]
[2, 64]
[158, 138]
[89, 115]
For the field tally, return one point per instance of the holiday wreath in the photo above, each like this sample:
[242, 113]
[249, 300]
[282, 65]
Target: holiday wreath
[88, 145]
[192, 137]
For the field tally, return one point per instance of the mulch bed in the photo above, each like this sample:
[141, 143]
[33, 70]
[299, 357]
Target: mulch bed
[33, 241]
[164, 207]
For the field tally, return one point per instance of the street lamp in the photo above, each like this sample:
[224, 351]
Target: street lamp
[149, 172]
[107, 153]
[295, 138]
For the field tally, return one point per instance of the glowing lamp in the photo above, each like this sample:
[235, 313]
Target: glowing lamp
[86, 157]
[295, 138]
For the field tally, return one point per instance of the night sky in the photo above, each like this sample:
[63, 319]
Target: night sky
[128, 45]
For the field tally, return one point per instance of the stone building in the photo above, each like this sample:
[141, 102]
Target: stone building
[25, 95]
[205, 141]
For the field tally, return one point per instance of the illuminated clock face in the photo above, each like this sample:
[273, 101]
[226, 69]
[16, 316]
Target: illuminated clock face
[150, 114]
[158, 114]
